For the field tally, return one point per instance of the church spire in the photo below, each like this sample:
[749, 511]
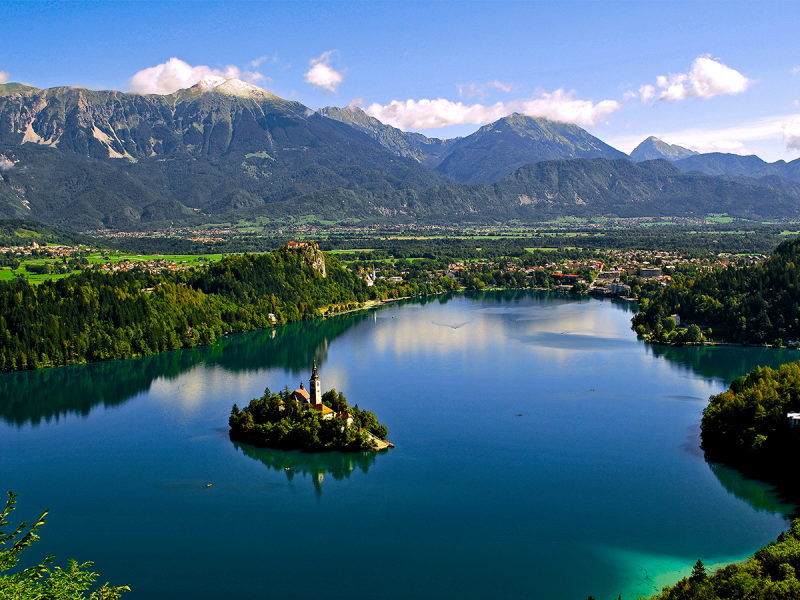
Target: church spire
[314, 386]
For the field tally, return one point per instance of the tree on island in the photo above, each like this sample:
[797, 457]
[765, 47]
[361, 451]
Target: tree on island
[277, 420]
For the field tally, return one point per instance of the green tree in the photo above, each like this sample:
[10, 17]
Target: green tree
[698, 571]
[38, 581]
[693, 333]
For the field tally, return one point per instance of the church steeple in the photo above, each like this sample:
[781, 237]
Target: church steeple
[314, 387]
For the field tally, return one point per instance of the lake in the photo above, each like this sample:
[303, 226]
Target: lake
[542, 451]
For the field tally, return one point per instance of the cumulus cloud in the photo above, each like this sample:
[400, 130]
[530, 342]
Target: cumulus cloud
[322, 75]
[706, 79]
[646, 92]
[791, 134]
[428, 114]
[482, 90]
[3, 77]
[560, 106]
[176, 74]
[796, 70]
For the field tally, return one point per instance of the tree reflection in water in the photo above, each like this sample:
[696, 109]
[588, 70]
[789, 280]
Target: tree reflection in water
[339, 465]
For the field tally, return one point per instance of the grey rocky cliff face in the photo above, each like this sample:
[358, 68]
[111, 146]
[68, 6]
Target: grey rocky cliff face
[316, 260]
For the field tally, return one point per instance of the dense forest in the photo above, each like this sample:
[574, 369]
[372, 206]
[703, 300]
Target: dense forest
[751, 304]
[276, 420]
[94, 316]
[747, 427]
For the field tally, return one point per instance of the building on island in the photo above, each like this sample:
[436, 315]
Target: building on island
[312, 398]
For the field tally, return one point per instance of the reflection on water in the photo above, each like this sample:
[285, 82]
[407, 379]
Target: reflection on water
[761, 496]
[316, 465]
[78, 389]
[724, 363]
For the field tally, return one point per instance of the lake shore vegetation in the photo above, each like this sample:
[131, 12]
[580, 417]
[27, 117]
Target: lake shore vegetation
[770, 574]
[750, 304]
[747, 426]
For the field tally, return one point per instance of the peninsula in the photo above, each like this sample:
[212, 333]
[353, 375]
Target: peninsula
[307, 420]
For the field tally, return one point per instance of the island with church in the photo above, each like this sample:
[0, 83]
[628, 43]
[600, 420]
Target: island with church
[307, 419]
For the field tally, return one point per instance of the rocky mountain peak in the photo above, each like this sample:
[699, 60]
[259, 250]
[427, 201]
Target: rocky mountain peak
[231, 87]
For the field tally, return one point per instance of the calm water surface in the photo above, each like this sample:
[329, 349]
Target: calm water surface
[599, 487]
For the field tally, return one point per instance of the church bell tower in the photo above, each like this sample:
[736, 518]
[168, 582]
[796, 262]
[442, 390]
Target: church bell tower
[314, 388]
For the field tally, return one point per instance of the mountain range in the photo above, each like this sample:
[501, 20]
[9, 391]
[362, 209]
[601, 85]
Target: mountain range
[83, 159]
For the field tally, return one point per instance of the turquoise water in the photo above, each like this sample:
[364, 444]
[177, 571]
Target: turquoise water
[598, 488]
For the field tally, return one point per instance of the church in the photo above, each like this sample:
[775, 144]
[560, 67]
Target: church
[312, 398]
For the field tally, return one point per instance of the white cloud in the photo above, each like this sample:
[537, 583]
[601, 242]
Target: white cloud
[5, 164]
[646, 92]
[732, 139]
[725, 146]
[428, 114]
[628, 95]
[559, 106]
[791, 134]
[355, 103]
[796, 70]
[706, 79]
[3, 77]
[176, 74]
[258, 61]
[482, 90]
[254, 76]
[322, 75]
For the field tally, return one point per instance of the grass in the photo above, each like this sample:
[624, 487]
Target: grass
[99, 258]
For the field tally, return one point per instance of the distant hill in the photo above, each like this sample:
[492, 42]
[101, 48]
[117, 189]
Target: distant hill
[489, 154]
[717, 164]
[550, 189]
[653, 148]
[500, 148]
[16, 232]
[83, 158]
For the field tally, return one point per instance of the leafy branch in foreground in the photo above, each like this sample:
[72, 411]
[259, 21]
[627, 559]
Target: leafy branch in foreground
[39, 582]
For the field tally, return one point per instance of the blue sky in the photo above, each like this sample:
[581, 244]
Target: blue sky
[730, 71]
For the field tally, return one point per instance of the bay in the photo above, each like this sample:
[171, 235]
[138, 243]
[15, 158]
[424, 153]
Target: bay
[541, 451]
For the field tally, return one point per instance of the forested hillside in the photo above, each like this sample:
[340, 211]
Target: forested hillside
[752, 304]
[747, 426]
[93, 316]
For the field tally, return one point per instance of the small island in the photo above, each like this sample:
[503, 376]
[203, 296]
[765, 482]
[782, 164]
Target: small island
[307, 420]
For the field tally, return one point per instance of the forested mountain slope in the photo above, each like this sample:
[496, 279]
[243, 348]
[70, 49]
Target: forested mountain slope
[720, 163]
[546, 190]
